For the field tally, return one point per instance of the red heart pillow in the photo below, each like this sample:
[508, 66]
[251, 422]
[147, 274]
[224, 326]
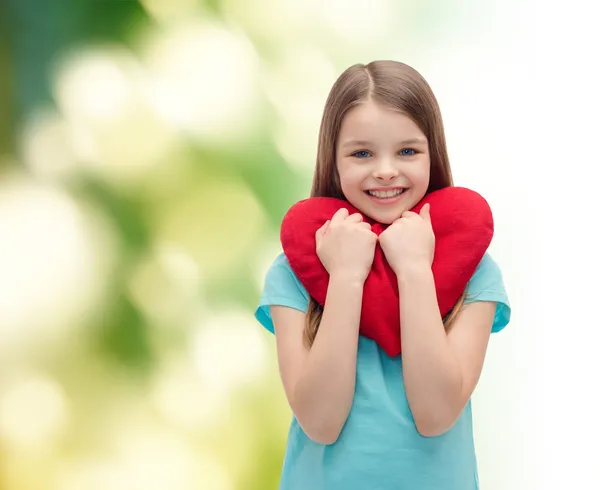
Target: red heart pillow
[463, 225]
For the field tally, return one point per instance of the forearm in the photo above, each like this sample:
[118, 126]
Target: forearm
[432, 374]
[324, 393]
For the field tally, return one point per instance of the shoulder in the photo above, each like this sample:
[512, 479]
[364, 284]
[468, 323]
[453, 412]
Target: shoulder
[487, 276]
[280, 278]
[282, 288]
[487, 284]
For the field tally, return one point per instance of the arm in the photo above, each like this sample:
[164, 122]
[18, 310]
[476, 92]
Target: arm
[440, 369]
[319, 383]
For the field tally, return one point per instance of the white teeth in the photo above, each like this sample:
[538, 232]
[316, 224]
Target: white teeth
[386, 194]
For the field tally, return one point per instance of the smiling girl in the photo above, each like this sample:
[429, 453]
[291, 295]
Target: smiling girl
[361, 419]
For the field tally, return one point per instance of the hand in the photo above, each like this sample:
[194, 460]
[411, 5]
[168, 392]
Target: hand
[346, 246]
[409, 241]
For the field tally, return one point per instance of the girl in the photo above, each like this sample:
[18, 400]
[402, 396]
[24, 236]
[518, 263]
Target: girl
[362, 420]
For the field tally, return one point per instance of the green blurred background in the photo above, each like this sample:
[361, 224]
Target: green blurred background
[148, 151]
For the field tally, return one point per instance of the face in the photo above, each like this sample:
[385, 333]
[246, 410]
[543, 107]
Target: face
[382, 159]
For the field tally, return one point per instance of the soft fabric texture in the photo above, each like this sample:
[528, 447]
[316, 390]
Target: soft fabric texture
[463, 226]
[379, 447]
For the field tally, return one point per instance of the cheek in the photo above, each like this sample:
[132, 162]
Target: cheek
[349, 177]
[419, 175]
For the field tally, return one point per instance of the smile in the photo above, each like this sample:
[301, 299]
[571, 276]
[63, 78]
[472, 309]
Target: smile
[379, 194]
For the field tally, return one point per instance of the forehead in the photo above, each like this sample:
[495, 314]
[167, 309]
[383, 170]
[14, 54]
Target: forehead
[370, 120]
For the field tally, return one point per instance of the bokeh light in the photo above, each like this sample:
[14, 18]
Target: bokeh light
[297, 87]
[22, 424]
[173, 10]
[203, 80]
[166, 285]
[218, 224]
[104, 94]
[54, 263]
[228, 352]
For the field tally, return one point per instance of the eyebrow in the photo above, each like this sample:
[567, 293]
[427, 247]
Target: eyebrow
[410, 141]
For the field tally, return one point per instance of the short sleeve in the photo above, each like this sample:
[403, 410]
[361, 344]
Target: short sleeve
[487, 285]
[282, 288]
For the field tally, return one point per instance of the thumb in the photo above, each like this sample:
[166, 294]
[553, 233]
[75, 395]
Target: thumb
[425, 213]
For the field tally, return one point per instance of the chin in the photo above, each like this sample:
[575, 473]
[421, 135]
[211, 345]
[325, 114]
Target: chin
[385, 217]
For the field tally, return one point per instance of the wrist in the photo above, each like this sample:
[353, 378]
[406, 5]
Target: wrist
[414, 270]
[348, 278]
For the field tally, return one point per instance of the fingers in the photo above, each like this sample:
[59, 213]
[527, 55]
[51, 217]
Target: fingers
[425, 213]
[355, 218]
[339, 216]
[343, 214]
[323, 230]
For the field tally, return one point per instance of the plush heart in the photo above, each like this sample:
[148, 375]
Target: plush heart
[463, 226]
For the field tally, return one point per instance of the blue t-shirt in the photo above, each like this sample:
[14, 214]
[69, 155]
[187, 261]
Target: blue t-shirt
[379, 446]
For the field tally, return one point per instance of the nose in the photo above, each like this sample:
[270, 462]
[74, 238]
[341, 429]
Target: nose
[385, 170]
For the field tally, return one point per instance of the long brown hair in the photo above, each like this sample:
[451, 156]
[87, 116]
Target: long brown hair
[395, 85]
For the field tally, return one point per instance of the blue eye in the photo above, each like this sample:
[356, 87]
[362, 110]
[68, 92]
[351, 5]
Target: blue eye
[361, 154]
[408, 152]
